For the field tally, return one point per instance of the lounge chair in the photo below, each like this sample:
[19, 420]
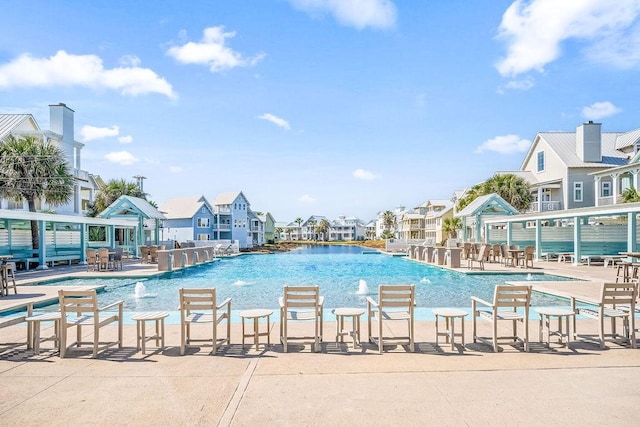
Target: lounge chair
[395, 302]
[84, 305]
[198, 306]
[617, 300]
[301, 303]
[479, 257]
[509, 303]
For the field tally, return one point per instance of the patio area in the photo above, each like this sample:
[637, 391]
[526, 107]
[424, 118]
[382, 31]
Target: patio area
[340, 385]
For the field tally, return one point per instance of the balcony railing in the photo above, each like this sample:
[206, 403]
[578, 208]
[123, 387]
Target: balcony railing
[545, 206]
[222, 227]
[608, 201]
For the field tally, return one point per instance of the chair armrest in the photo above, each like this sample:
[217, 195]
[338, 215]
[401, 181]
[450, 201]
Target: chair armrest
[320, 301]
[370, 301]
[226, 302]
[281, 301]
[481, 301]
[107, 307]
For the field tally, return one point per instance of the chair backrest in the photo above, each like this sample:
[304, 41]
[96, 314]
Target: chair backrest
[616, 294]
[396, 297]
[529, 251]
[496, 249]
[512, 296]
[103, 254]
[90, 255]
[514, 247]
[80, 302]
[118, 254]
[504, 251]
[482, 253]
[197, 300]
[301, 297]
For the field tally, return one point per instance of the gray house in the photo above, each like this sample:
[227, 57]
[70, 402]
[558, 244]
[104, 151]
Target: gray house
[559, 166]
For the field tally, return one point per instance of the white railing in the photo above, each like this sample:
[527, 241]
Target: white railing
[545, 206]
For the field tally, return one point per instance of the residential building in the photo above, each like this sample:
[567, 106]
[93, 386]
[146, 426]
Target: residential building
[188, 219]
[231, 210]
[61, 133]
[411, 223]
[436, 212]
[269, 226]
[256, 229]
[380, 226]
[560, 166]
[347, 228]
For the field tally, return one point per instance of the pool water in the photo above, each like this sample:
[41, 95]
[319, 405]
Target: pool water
[256, 281]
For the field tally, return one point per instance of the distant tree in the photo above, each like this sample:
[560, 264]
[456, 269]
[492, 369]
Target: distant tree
[277, 231]
[389, 223]
[299, 221]
[323, 229]
[450, 226]
[31, 169]
[110, 192]
[512, 188]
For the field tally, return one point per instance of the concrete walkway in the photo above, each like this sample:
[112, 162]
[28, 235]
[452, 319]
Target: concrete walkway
[339, 385]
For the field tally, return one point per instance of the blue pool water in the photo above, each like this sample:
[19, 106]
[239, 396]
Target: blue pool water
[256, 281]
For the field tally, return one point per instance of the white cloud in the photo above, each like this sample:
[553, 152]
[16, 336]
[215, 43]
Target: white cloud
[175, 169]
[276, 120]
[363, 175]
[122, 158]
[305, 198]
[89, 133]
[64, 69]
[505, 144]
[125, 139]
[534, 30]
[354, 13]
[598, 110]
[211, 51]
[517, 84]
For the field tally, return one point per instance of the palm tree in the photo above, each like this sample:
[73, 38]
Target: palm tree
[512, 188]
[388, 223]
[110, 192]
[299, 221]
[323, 228]
[32, 169]
[277, 231]
[451, 225]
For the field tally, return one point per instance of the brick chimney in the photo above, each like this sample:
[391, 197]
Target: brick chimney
[589, 142]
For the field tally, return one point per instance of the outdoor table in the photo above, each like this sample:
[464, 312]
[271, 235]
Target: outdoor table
[355, 314]
[255, 315]
[515, 256]
[33, 334]
[141, 320]
[450, 315]
[546, 313]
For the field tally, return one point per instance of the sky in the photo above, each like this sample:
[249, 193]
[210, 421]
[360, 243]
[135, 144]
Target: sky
[319, 107]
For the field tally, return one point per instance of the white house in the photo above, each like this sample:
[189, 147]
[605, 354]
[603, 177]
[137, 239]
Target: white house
[61, 133]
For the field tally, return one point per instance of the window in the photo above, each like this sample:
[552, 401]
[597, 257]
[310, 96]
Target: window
[541, 161]
[13, 205]
[577, 191]
[203, 222]
[606, 189]
[203, 210]
[203, 237]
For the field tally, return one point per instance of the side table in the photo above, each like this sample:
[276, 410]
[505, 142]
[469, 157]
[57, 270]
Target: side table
[355, 314]
[34, 325]
[546, 313]
[141, 320]
[450, 315]
[255, 315]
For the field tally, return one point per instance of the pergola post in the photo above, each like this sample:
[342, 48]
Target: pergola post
[42, 253]
[577, 231]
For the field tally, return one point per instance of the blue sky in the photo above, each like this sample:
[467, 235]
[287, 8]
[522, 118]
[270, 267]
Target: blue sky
[323, 107]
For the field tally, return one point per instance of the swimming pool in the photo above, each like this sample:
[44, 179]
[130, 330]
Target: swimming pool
[256, 281]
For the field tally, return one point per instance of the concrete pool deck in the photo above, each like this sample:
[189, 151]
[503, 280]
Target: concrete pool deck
[579, 384]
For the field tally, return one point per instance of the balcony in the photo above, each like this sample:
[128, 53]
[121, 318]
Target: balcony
[222, 227]
[608, 201]
[547, 206]
[219, 210]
